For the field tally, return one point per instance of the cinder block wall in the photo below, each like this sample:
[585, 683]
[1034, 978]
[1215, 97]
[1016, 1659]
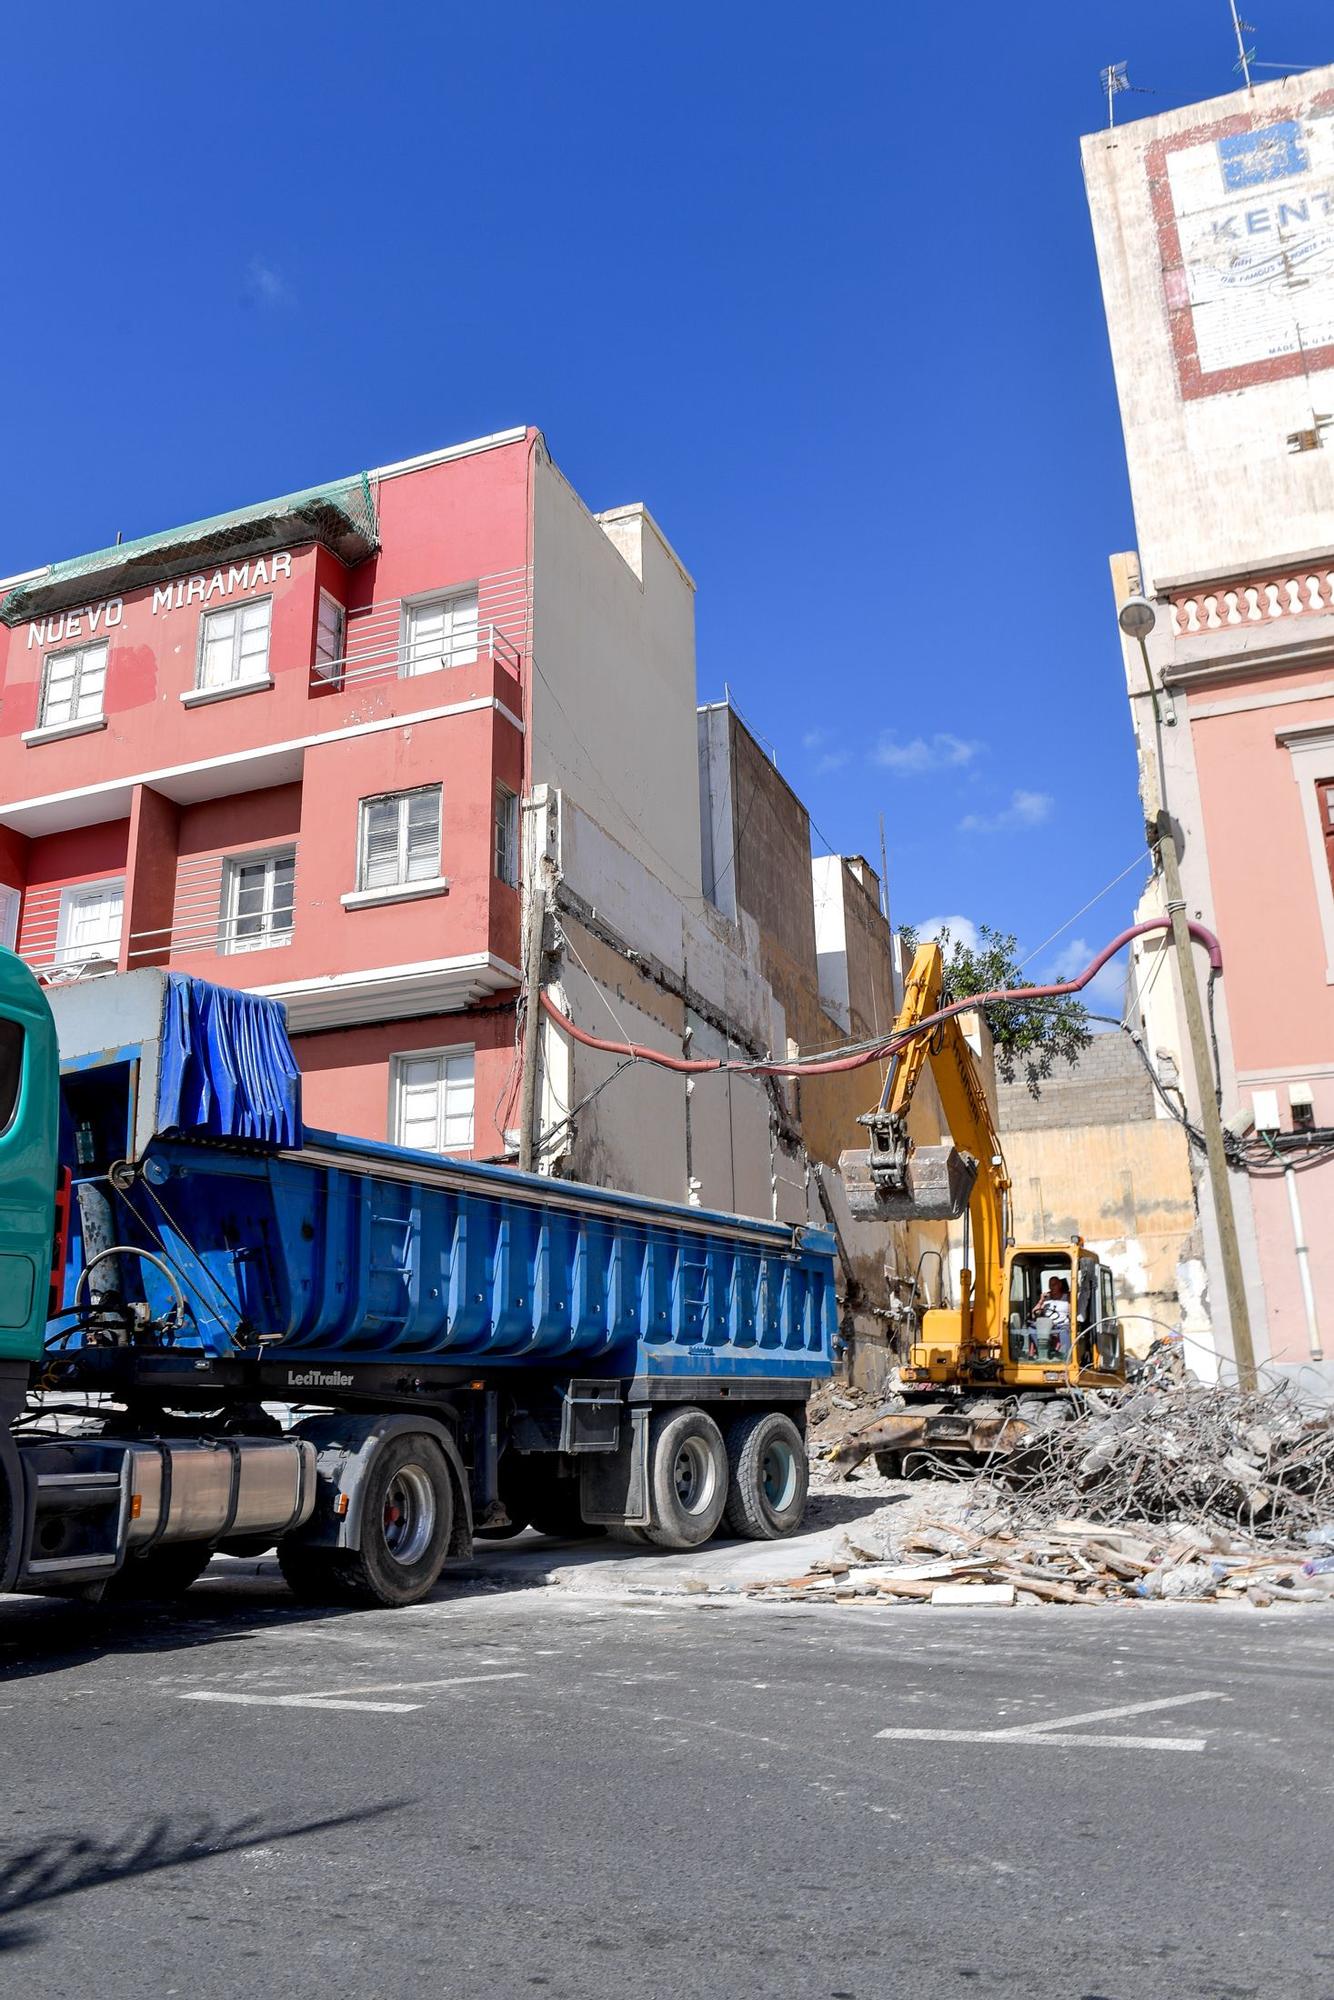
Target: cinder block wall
[1108, 1085]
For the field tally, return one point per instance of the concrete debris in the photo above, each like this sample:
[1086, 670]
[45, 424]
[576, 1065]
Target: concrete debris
[1072, 1562]
[1211, 1457]
[1174, 1493]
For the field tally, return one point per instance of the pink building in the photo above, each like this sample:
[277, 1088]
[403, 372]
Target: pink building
[1213, 231]
[285, 748]
[330, 747]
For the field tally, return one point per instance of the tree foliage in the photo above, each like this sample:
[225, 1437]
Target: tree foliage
[1029, 1035]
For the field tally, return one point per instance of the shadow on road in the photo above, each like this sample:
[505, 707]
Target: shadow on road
[47, 1635]
[65, 1864]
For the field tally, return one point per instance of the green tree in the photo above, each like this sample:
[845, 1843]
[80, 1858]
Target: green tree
[1029, 1034]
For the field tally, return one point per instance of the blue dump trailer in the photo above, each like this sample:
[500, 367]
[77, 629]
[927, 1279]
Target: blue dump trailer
[220, 1329]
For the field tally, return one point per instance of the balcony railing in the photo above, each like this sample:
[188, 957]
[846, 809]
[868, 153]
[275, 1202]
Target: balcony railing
[39, 941]
[1296, 594]
[379, 644]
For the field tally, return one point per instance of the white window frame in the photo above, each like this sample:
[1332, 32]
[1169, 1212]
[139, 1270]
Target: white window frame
[267, 939]
[505, 865]
[237, 681]
[1311, 750]
[459, 1052]
[330, 670]
[70, 895]
[413, 608]
[402, 883]
[9, 916]
[79, 655]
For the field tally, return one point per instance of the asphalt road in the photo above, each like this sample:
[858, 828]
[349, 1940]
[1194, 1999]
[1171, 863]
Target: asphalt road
[517, 1793]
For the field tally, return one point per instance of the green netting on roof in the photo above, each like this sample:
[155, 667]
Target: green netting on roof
[340, 516]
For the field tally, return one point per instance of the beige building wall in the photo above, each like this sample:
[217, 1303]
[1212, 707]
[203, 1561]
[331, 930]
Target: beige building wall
[1089, 1157]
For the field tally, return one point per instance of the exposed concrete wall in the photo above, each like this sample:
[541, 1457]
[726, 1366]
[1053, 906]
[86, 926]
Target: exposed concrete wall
[1125, 1187]
[636, 964]
[613, 689]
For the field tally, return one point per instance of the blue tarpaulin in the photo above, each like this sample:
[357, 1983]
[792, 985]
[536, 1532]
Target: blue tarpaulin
[227, 1069]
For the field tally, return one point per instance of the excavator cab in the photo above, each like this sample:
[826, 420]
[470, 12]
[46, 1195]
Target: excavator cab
[1061, 1324]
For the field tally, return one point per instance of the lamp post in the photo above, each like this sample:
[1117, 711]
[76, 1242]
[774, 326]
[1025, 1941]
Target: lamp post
[1137, 618]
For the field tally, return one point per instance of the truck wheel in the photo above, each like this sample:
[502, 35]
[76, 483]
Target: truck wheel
[687, 1478]
[768, 1476]
[407, 1515]
[161, 1573]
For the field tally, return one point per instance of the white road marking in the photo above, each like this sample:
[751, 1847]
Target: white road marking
[416, 1687]
[1130, 1708]
[1040, 1733]
[299, 1701]
[347, 1698]
[1038, 1742]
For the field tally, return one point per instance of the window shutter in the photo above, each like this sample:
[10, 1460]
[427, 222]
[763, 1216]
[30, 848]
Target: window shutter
[253, 650]
[92, 681]
[426, 627]
[458, 1102]
[59, 703]
[463, 630]
[379, 855]
[248, 905]
[215, 665]
[329, 638]
[422, 846]
[434, 1102]
[284, 893]
[92, 923]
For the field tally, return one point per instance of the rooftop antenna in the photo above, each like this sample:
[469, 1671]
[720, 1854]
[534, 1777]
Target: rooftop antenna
[1245, 56]
[1114, 80]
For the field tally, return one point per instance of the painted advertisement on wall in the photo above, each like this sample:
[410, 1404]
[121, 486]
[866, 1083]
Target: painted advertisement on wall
[1245, 216]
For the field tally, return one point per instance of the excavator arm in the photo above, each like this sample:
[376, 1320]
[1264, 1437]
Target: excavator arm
[895, 1181]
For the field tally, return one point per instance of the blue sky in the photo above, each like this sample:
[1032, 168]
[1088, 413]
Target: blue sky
[818, 286]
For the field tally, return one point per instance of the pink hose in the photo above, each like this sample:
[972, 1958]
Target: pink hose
[695, 1065]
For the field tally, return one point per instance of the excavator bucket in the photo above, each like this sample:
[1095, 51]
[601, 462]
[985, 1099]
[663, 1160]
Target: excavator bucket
[939, 1180]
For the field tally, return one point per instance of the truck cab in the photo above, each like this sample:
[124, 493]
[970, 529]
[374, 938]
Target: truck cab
[28, 1169]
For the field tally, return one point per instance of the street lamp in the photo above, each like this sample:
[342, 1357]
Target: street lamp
[1137, 618]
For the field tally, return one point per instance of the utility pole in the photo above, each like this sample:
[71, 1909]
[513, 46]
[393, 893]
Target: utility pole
[1136, 619]
[1233, 1284]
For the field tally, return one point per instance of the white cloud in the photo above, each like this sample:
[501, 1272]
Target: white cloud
[814, 738]
[833, 760]
[1025, 809]
[265, 285]
[962, 930]
[941, 752]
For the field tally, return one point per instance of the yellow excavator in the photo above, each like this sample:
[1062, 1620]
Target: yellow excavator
[1032, 1320]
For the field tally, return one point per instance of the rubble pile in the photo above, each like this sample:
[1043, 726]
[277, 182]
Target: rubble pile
[1071, 1562]
[1212, 1457]
[1178, 1492]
